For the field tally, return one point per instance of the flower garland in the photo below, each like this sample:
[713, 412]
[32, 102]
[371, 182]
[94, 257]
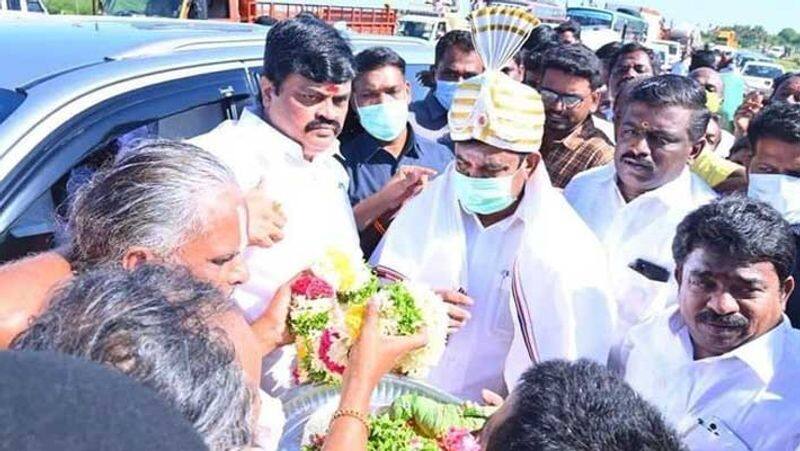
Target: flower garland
[327, 310]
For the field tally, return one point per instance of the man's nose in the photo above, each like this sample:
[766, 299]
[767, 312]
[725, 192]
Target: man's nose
[239, 273]
[723, 303]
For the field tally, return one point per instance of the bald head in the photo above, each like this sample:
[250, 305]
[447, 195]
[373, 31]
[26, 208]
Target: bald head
[709, 79]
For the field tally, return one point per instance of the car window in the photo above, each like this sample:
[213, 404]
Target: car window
[755, 70]
[35, 196]
[13, 5]
[34, 6]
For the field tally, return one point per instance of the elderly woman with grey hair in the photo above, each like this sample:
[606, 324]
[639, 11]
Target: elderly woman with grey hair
[174, 204]
[146, 323]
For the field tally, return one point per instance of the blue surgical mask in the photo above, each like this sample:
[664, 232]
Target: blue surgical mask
[385, 121]
[484, 196]
[781, 192]
[444, 92]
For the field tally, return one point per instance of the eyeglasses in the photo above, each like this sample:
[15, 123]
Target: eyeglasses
[568, 100]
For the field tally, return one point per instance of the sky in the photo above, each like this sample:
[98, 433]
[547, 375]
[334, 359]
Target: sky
[773, 15]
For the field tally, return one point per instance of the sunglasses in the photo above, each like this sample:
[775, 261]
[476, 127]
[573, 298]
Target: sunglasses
[568, 100]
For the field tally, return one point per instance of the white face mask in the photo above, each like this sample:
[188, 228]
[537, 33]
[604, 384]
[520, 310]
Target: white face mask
[781, 192]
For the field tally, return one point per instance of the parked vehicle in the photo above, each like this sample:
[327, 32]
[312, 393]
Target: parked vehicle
[628, 27]
[359, 16]
[74, 88]
[759, 75]
[674, 49]
[776, 51]
[429, 28]
[726, 38]
[24, 6]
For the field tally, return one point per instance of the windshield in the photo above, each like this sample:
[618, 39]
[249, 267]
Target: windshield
[755, 70]
[159, 8]
[591, 18]
[416, 29]
[9, 101]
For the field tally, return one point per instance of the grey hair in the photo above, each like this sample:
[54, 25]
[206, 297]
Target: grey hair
[150, 197]
[152, 325]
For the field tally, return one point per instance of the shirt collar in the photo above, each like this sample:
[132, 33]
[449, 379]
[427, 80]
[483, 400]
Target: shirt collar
[574, 140]
[372, 145]
[674, 193]
[435, 109]
[274, 136]
[762, 355]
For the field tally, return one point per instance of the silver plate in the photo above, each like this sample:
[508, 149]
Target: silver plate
[301, 402]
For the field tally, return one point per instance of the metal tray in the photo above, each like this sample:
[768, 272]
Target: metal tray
[300, 403]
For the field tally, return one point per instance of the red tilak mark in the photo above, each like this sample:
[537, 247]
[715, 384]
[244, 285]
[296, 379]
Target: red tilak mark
[331, 89]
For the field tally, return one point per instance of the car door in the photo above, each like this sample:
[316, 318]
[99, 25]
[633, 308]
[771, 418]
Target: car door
[34, 196]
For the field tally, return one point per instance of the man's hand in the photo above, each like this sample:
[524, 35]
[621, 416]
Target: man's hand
[456, 303]
[264, 218]
[373, 354]
[753, 103]
[272, 328]
[405, 184]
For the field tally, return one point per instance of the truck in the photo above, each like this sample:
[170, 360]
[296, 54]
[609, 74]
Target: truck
[726, 38]
[371, 17]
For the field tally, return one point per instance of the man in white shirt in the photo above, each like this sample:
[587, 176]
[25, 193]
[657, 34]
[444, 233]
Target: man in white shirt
[287, 153]
[634, 204]
[723, 365]
[285, 160]
[493, 227]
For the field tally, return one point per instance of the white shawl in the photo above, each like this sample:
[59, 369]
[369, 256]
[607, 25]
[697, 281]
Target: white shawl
[561, 293]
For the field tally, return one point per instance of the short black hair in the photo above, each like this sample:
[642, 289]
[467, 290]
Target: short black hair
[309, 47]
[559, 405]
[378, 57]
[703, 58]
[542, 37]
[781, 79]
[607, 51]
[740, 229]
[675, 90]
[632, 47]
[778, 120]
[455, 38]
[569, 25]
[574, 59]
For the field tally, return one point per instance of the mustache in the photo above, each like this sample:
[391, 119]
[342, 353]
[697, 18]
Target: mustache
[640, 160]
[323, 123]
[733, 320]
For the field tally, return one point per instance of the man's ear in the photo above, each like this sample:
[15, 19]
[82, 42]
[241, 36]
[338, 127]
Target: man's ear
[679, 274]
[135, 256]
[408, 92]
[268, 90]
[532, 161]
[787, 288]
[697, 147]
[595, 99]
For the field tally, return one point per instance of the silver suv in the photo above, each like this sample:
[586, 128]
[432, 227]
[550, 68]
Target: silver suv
[74, 89]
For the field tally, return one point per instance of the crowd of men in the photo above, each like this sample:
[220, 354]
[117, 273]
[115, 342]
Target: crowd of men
[616, 247]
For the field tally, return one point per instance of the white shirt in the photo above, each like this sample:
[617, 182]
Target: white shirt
[751, 393]
[475, 355]
[641, 229]
[312, 195]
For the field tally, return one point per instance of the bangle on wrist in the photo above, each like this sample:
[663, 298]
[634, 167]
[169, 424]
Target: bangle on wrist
[352, 413]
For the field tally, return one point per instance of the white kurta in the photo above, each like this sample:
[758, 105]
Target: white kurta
[641, 229]
[491, 251]
[751, 392]
[313, 196]
[544, 250]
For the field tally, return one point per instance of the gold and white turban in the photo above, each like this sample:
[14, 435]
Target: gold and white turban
[492, 107]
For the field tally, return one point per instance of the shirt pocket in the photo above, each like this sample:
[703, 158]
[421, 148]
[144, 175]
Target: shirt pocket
[502, 324]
